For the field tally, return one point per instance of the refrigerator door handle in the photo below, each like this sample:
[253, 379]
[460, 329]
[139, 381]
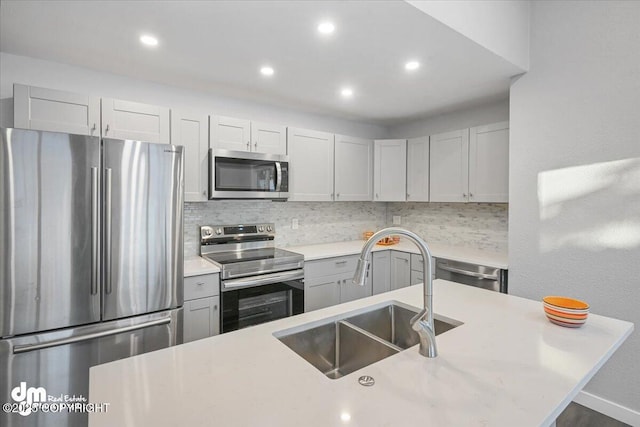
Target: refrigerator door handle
[107, 230]
[87, 337]
[95, 272]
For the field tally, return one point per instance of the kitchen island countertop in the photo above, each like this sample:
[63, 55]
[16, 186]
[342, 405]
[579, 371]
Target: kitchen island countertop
[505, 365]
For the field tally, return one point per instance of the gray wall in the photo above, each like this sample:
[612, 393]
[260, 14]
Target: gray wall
[54, 75]
[574, 214]
[491, 112]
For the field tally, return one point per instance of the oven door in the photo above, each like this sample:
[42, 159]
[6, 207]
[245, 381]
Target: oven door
[245, 175]
[258, 299]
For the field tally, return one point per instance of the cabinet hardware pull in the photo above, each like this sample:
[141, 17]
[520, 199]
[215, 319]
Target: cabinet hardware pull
[470, 195]
[464, 195]
[248, 145]
[94, 127]
[341, 262]
[255, 145]
[200, 283]
[106, 130]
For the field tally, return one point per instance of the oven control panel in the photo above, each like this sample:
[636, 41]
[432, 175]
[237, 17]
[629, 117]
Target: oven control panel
[209, 234]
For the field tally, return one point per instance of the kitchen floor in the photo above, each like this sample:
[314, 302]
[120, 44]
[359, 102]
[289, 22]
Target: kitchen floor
[580, 416]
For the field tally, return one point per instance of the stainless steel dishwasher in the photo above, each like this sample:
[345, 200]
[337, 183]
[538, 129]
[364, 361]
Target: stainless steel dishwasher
[480, 276]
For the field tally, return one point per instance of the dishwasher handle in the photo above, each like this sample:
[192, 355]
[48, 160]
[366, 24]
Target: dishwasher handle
[468, 273]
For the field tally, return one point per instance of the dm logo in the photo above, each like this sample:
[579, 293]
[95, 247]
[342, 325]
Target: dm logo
[29, 396]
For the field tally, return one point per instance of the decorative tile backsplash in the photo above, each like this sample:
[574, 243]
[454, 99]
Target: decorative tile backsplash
[318, 222]
[476, 225]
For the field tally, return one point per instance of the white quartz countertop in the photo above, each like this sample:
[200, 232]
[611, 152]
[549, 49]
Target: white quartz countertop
[195, 266]
[455, 253]
[505, 366]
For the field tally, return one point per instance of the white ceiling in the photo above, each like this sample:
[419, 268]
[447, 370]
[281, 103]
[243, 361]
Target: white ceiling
[219, 46]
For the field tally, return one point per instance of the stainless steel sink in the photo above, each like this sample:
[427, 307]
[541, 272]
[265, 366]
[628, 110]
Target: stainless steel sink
[343, 344]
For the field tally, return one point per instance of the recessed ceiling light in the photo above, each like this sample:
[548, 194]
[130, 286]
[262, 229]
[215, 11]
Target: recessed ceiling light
[148, 40]
[267, 71]
[412, 65]
[326, 27]
[346, 92]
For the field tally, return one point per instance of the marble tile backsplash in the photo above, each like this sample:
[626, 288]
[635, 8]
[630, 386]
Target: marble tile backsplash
[474, 225]
[319, 222]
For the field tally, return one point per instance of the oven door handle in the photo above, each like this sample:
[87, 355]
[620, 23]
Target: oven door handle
[264, 279]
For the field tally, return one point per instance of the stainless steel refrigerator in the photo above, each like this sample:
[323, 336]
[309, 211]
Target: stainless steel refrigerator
[91, 262]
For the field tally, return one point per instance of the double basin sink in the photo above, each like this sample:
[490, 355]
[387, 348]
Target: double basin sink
[343, 344]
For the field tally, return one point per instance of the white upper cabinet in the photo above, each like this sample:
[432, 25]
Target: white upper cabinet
[132, 120]
[243, 135]
[268, 138]
[310, 165]
[449, 167]
[353, 168]
[56, 111]
[489, 163]
[390, 170]
[230, 133]
[418, 169]
[189, 129]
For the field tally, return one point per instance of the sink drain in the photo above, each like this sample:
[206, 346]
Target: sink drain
[366, 381]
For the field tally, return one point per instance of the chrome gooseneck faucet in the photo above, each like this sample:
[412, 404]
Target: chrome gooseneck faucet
[422, 322]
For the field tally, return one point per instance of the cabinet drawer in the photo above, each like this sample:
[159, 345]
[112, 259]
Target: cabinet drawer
[331, 266]
[206, 285]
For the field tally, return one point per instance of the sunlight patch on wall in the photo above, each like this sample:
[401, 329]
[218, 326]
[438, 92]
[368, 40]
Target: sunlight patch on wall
[593, 207]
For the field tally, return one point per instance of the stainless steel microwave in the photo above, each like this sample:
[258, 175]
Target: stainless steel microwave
[246, 175]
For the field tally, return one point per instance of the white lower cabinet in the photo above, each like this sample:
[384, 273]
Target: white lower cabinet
[328, 282]
[417, 269]
[201, 307]
[381, 272]
[400, 267]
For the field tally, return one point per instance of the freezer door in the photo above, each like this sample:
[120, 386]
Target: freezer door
[49, 272]
[142, 227]
[59, 362]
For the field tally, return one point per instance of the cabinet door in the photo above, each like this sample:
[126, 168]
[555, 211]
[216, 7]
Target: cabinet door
[132, 120]
[381, 272]
[400, 269]
[56, 111]
[418, 169]
[201, 318]
[449, 167]
[310, 165]
[416, 277]
[320, 292]
[390, 170]
[190, 129]
[268, 138]
[353, 168]
[349, 291]
[489, 163]
[230, 133]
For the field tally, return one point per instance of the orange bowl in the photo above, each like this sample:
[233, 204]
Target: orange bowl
[566, 303]
[567, 312]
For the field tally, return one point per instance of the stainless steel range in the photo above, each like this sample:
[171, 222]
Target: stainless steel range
[258, 282]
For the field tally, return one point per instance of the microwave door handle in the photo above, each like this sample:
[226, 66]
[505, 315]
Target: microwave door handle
[278, 176]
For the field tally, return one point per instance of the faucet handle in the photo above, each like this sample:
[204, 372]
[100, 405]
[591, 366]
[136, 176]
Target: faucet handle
[415, 320]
